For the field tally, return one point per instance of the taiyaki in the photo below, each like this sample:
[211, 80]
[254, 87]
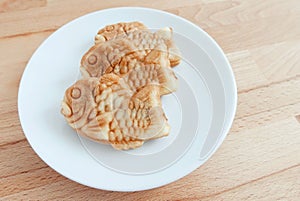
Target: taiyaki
[122, 29]
[106, 110]
[138, 44]
[139, 74]
[117, 30]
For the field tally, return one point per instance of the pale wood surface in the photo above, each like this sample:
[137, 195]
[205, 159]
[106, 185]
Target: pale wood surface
[260, 158]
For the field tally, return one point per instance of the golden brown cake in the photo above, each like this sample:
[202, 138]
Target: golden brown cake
[107, 110]
[155, 69]
[137, 44]
[117, 30]
[123, 29]
[124, 74]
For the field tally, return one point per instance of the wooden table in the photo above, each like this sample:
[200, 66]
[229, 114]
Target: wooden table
[260, 158]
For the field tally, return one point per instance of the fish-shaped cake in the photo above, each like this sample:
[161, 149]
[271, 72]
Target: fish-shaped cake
[122, 29]
[136, 44]
[124, 75]
[117, 30]
[139, 74]
[107, 110]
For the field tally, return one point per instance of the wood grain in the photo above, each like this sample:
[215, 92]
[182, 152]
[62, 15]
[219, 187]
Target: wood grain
[285, 186]
[15, 5]
[260, 158]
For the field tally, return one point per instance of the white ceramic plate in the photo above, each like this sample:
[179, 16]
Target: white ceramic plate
[200, 112]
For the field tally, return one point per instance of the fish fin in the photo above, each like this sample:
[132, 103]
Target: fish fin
[97, 128]
[158, 55]
[158, 125]
[166, 77]
[149, 94]
[167, 80]
[147, 101]
[110, 77]
[174, 53]
[166, 33]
